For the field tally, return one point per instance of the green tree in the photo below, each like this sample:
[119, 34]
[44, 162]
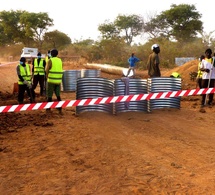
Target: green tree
[35, 25]
[56, 39]
[27, 28]
[3, 37]
[181, 22]
[126, 27]
[129, 26]
[108, 30]
[12, 29]
[113, 51]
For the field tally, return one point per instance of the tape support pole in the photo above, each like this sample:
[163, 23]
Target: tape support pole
[105, 100]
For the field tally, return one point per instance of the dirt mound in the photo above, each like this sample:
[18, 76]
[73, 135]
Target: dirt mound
[184, 69]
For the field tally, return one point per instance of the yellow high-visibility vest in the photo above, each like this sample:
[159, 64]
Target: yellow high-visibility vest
[199, 75]
[39, 68]
[25, 73]
[47, 59]
[175, 75]
[55, 74]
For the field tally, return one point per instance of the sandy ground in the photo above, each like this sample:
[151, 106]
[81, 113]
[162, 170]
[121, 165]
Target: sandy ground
[167, 151]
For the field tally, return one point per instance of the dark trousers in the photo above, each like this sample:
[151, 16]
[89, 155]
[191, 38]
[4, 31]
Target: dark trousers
[205, 85]
[21, 94]
[199, 82]
[39, 79]
[53, 88]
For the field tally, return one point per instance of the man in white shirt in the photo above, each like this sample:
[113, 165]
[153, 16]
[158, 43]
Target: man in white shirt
[208, 76]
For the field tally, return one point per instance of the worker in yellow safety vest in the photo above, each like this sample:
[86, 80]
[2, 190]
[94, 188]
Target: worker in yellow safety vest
[24, 81]
[54, 74]
[199, 73]
[38, 70]
[48, 56]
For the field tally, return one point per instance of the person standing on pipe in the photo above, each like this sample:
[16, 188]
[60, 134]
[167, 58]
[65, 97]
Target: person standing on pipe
[132, 64]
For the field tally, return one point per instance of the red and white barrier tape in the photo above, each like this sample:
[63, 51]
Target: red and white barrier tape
[105, 100]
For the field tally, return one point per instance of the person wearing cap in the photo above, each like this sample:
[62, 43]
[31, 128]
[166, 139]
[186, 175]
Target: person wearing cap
[154, 62]
[132, 63]
[24, 81]
[38, 70]
[54, 75]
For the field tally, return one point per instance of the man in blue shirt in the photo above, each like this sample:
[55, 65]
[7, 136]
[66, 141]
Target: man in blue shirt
[132, 63]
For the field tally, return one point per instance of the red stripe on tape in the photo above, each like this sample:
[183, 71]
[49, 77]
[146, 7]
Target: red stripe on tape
[112, 99]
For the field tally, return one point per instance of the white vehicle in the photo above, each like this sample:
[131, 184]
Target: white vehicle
[30, 53]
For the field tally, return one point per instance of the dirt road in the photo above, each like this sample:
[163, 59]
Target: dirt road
[167, 151]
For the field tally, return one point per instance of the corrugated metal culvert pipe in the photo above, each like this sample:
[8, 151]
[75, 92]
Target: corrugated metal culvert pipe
[86, 73]
[94, 88]
[164, 84]
[70, 79]
[126, 86]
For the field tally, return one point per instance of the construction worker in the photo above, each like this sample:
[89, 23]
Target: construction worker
[154, 62]
[208, 76]
[199, 73]
[48, 56]
[24, 81]
[38, 70]
[47, 59]
[175, 75]
[54, 74]
[132, 63]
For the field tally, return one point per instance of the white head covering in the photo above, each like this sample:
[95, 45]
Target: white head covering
[154, 46]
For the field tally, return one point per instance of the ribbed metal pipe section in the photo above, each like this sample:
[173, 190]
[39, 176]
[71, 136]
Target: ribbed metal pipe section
[94, 88]
[88, 73]
[164, 84]
[136, 86]
[70, 79]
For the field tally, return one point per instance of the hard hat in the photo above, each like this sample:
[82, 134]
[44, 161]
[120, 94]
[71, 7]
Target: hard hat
[54, 52]
[154, 46]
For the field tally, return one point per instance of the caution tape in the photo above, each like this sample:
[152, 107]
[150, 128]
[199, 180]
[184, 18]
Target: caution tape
[104, 100]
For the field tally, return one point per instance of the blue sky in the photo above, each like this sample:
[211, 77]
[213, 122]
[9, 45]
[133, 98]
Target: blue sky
[80, 19]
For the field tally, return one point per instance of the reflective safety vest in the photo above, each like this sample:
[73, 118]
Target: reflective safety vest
[56, 72]
[47, 59]
[25, 73]
[210, 60]
[39, 68]
[199, 75]
[175, 75]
